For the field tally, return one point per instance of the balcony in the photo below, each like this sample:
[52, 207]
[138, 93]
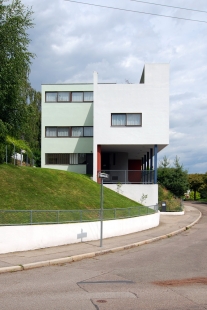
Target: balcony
[129, 176]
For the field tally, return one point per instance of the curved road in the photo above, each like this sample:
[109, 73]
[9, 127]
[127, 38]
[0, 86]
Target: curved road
[166, 275]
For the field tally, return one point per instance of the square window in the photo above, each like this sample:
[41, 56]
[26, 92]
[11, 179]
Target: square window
[133, 119]
[88, 131]
[51, 97]
[77, 96]
[118, 120]
[62, 131]
[51, 132]
[77, 131]
[88, 96]
[63, 96]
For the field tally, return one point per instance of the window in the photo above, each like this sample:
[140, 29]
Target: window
[126, 119]
[63, 132]
[118, 119]
[51, 97]
[88, 96]
[74, 159]
[63, 96]
[66, 96]
[88, 131]
[57, 159]
[77, 131]
[58, 132]
[65, 159]
[82, 159]
[77, 96]
[51, 132]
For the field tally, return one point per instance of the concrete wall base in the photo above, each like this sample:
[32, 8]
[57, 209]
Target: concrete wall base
[31, 237]
[136, 192]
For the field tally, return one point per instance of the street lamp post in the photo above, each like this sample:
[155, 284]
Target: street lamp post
[102, 176]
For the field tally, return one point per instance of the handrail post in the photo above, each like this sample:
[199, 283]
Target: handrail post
[81, 216]
[30, 217]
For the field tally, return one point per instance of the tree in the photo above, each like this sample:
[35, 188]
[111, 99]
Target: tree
[31, 131]
[175, 178]
[196, 182]
[15, 60]
[164, 163]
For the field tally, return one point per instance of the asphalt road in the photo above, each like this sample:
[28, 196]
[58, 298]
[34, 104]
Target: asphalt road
[166, 275]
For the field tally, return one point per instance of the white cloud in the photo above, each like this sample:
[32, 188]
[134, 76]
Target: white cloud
[72, 40]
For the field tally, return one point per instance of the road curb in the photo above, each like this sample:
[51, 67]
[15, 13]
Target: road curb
[79, 257]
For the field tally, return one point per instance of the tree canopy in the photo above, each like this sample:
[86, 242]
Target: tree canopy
[175, 178]
[196, 182]
[19, 103]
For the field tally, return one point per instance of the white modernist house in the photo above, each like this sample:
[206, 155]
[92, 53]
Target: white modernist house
[113, 128]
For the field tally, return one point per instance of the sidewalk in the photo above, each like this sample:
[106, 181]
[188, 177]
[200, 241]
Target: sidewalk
[169, 225]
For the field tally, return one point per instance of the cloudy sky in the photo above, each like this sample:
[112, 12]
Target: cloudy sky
[72, 40]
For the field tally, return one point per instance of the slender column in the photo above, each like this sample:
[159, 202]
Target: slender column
[147, 160]
[151, 155]
[155, 164]
[151, 165]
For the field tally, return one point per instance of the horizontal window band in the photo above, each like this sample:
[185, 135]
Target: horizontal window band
[68, 96]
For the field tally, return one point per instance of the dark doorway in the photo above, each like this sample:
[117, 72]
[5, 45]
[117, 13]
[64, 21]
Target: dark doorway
[105, 161]
[134, 173]
[89, 164]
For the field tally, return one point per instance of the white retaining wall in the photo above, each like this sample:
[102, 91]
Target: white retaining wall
[135, 192]
[31, 237]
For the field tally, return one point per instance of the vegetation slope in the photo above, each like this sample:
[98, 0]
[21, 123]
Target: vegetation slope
[26, 188]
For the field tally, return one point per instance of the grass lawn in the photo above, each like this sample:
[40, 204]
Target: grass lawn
[26, 188]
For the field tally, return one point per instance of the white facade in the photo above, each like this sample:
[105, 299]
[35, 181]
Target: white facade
[130, 125]
[150, 98]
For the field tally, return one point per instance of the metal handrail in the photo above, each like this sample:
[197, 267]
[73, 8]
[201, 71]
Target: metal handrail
[129, 176]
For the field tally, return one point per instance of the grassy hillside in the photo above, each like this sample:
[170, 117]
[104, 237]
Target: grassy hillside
[26, 188]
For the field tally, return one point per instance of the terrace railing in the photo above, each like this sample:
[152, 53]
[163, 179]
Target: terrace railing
[37, 217]
[129, 176]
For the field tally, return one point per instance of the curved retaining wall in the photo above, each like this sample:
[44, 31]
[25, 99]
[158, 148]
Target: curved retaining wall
[31, 237]
[172, 213]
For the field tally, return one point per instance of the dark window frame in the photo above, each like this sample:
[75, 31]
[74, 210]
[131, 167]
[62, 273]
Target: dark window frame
[70, 96]
[51, 92]
[58, 157]
[70, 128]
[126, 120]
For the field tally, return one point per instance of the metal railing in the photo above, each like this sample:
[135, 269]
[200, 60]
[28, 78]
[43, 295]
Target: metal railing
[36, 217]
[129, 176]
